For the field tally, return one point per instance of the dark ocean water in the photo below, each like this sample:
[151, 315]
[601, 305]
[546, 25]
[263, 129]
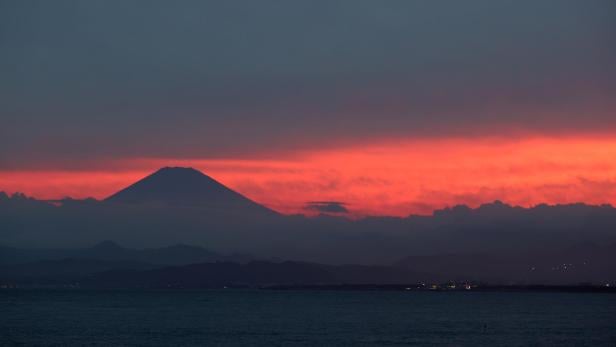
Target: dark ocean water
[309, 318]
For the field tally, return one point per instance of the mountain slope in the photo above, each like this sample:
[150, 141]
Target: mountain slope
[185, 187]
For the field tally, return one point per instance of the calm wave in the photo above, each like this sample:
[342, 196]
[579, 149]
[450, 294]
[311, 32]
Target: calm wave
[310, 318]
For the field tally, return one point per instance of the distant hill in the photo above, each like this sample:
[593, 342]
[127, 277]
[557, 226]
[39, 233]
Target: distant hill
[182, 206]
[584, 263]
[65, 270]
[112, 252]
[257, 273]
[186, 187]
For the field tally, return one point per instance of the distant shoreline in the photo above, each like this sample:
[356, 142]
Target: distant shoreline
[486, 288]
[347, 287]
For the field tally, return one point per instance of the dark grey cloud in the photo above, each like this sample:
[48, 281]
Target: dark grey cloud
[326, 207]
[117, 79]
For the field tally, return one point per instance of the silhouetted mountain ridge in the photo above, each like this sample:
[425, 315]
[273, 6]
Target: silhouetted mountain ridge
[181, 205]
[111, 251]
[586, 262]
[256, 273]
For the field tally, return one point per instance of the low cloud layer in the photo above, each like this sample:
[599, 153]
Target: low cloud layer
[335, 207]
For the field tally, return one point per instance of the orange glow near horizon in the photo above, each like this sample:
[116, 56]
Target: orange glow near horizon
[386, 178]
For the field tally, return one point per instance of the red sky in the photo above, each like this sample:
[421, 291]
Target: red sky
[391, 107]
[378, 178]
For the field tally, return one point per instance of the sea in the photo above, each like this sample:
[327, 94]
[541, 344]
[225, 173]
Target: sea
[232, 317]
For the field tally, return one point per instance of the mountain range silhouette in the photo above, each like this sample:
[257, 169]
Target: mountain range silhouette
[179, 216]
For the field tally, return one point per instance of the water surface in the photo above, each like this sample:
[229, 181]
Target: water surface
[309, 318]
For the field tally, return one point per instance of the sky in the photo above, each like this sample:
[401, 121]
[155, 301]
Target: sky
[384, 108]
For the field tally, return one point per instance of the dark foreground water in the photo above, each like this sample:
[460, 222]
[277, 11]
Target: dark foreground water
[311, 318]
